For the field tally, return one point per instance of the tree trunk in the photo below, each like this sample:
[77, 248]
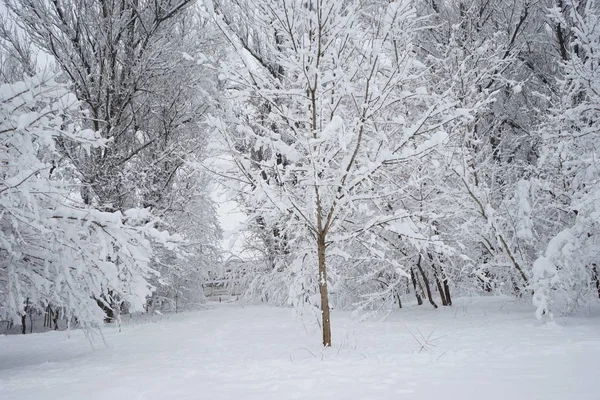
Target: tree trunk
[437, 282]
[426, 282]
[108, 310]
[596, 278]
[440, 289]
[397, 293]
[23, 320]
[48, 317]
[414, 282]
[516, 288]
[176, 301]
[446, 288]
[323, 289]
[56, 315]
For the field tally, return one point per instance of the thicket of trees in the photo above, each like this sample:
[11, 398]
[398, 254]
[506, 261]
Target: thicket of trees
[101, 128]
[383, 151]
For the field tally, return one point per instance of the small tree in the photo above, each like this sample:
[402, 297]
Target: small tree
[347, 103]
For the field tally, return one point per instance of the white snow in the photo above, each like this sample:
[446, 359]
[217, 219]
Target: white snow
[209, 6]
[490, 348]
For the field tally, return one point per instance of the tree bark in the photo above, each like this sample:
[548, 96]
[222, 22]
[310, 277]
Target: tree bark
[23, 320]
[48, 316]
[438, 282]
[561, 35]
[108, 310]
[426, 282]
[440, 289]
[447, 289]
[323, 289]
[414, 282]
[397, 293]
[56, 322]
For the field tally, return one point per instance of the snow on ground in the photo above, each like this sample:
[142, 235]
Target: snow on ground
[488, 349]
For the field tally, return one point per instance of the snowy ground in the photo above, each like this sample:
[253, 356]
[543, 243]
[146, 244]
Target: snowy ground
[482, 349]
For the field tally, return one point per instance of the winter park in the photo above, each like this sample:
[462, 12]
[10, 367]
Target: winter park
[299, 199]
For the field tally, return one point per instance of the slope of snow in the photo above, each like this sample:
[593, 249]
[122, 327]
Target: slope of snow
[487, 349]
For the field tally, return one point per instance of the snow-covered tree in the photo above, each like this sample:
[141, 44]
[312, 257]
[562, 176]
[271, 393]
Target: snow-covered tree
[500, 64]
[566, 274]
[137, 69]
[333, 104]
[128, 64]
[55, 250]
